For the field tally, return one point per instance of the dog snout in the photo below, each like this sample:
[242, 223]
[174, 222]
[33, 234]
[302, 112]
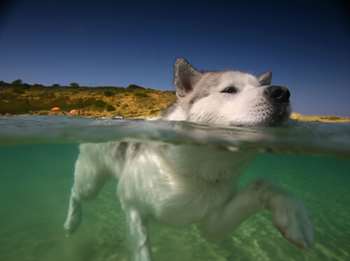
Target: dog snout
[277, 94]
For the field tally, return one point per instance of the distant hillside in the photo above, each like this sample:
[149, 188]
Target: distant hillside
[132, 101]
[319, 118]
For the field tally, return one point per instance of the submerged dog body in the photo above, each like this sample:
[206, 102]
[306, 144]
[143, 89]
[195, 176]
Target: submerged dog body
[184, 184]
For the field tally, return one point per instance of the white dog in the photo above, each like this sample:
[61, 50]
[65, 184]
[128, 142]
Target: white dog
[184, 184]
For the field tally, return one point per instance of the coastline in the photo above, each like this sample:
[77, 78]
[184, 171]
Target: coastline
[319, 118]
[131, 102]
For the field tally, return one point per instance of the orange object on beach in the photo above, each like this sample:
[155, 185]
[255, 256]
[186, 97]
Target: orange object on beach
[55, 109]
[74, 112]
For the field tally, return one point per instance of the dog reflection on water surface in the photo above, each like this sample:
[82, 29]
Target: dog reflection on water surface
[185, 184]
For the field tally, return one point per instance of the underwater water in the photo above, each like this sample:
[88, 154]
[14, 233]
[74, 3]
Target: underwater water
[37, 156]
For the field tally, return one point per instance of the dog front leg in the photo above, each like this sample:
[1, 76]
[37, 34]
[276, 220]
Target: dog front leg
[138, 236]
[289, 214]
[89, 179]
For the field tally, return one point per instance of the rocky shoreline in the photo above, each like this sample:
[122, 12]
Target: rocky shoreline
[131, 102]
[319, 118]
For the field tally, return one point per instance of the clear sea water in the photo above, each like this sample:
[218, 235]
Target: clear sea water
[37, 156]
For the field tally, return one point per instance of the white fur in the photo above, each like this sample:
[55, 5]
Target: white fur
[188, 184]
[232, 109]
[248, 106]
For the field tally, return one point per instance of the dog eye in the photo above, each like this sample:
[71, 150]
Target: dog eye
[230, 89]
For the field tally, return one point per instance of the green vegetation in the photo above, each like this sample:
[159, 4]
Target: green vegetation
[108, 93]
[18, 97]
[319, 118]
[74, 85]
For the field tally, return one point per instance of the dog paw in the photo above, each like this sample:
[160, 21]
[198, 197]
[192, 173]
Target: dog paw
[73, 221]
[291, 219]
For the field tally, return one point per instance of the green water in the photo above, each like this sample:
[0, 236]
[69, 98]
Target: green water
[37, 157]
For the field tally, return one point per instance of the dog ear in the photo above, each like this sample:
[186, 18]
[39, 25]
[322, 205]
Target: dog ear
[265, 78]
[185, 77]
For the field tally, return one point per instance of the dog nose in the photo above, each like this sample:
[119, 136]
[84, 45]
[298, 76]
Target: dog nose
[277, 94]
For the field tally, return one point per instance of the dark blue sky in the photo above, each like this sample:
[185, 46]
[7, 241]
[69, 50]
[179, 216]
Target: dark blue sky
[305, 43]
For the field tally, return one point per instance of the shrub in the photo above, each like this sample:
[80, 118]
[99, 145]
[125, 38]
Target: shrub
[17, 82]
[3, 83]
[18, 90]
[8, 96]
[330, 118]
[110, 108]
[20, 106]
[134, 87]
[100, 104]
[37, 86]
[83, 103]
[141, 95]
[47, 96]
[154, 111]
[74, 85]
[108, 93]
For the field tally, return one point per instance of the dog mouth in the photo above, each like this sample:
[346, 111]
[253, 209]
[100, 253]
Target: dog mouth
[280, 113]
[273, 107]
[270, 113]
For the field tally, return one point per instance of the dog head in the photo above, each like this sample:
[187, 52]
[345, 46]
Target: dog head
[228, 97]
